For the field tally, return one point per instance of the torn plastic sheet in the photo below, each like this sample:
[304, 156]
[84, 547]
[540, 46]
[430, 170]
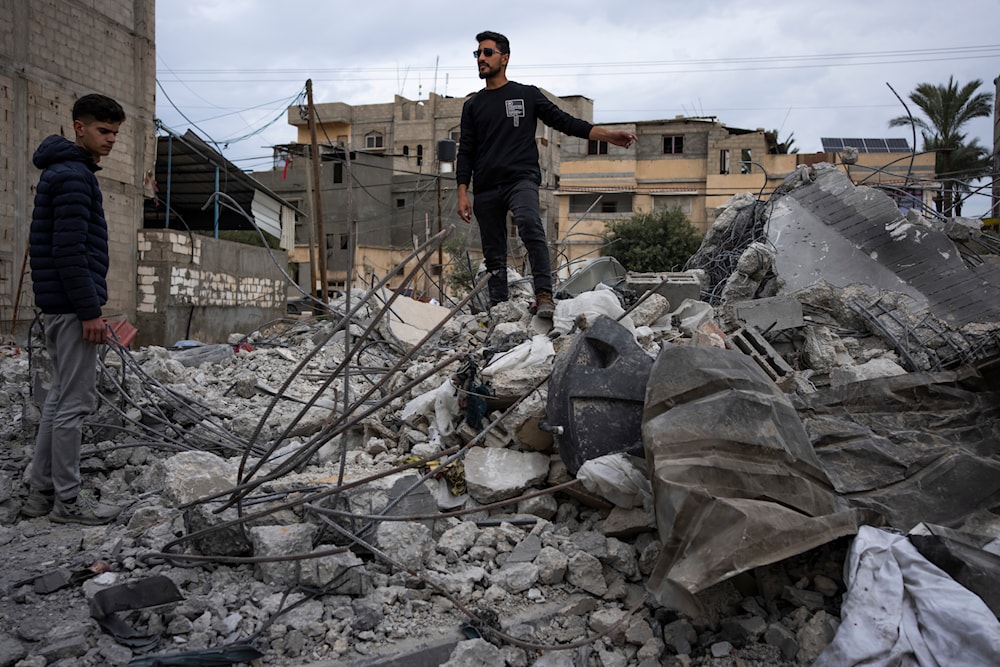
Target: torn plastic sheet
[919, 447]
[148, 592]
[440, 406]
[618, 478]
[901, 610]
[736, 483]
[532, 352]
[601, 301]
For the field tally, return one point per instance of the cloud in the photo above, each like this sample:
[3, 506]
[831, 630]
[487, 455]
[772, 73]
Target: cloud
[813, 69]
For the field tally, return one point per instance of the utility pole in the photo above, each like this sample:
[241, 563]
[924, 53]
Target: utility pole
[316, 163]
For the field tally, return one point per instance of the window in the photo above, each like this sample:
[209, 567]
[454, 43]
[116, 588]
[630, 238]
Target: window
[406, 151]
[683, 202]
[338, 172]
[608, 202]
[420, 154]
[746, 158]
[400, 202]
[724, 161]
[673, 144]
[374, 141]
[597, 147]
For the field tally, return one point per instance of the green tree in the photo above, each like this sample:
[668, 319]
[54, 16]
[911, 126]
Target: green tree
[652, 242]
[958, 161]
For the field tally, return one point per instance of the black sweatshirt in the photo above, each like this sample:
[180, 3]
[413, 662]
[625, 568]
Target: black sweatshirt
[498, 134]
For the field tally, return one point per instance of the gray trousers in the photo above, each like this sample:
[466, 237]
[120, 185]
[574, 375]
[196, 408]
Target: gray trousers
[73, 396]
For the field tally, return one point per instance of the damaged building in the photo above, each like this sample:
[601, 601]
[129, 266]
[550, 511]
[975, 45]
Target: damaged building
[782, 455]
[760, 471]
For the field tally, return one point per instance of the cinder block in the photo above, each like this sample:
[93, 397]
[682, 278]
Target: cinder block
[673, 286]
[751, 343]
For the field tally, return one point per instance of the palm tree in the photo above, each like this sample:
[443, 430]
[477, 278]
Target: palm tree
[776, 147]
[948, 108]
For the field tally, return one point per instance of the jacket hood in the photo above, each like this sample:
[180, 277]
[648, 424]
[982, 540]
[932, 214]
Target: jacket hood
[56, 148]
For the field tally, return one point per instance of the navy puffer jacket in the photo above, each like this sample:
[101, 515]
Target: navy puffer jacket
[69, 235]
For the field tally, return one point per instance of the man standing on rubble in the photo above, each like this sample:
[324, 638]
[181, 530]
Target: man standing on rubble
[498, 147]
[69, 267]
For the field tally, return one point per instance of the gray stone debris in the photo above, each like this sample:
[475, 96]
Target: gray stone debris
[360, 541]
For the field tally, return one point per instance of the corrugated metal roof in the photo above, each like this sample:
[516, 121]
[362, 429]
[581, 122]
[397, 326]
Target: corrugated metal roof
[188, 174]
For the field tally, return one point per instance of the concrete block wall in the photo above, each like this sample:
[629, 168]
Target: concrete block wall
[51, 53]
[193, 287]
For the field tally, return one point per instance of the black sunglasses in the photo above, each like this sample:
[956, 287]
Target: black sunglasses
[488, 52]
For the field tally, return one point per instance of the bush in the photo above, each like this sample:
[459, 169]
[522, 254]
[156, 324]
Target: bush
[655, 242]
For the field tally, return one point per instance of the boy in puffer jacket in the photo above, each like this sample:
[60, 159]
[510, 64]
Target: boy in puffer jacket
[69, 266]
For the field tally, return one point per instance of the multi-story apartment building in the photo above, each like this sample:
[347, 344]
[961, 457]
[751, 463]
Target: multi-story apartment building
[382, 171]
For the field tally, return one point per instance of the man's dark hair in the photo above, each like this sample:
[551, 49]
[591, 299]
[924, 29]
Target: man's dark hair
[502, 42]
[99, 107]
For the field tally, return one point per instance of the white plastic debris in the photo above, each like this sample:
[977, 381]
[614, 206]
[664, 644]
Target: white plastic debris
[618, 478]
[440, 406]
[900, 609]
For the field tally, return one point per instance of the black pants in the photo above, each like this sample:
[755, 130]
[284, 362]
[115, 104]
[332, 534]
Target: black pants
[490, 207]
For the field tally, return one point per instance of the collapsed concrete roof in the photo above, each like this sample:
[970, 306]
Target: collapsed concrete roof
[830, 230]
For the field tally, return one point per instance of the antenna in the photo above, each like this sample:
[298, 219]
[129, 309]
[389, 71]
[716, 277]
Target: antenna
[402, 83]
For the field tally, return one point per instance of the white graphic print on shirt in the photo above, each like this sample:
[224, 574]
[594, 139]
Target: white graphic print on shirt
[515, 110]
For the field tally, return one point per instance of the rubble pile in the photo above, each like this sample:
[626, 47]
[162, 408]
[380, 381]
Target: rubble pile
[661, 481]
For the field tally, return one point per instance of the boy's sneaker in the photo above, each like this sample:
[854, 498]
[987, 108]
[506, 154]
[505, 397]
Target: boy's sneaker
[85, 510]
[38, 503]
[545, 307]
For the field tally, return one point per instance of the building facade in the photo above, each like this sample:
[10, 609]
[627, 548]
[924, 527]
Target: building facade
[51, 53]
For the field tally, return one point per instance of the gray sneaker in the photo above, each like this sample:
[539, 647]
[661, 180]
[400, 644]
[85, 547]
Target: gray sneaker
[38, 503]
[85, 510]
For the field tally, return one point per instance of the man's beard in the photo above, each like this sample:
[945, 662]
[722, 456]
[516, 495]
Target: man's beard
[488, 72]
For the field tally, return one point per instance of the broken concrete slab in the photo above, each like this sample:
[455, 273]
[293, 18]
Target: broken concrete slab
[831, 230]
[493, 474]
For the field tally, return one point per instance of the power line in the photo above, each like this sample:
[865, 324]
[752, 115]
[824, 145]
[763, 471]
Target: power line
[872, 57]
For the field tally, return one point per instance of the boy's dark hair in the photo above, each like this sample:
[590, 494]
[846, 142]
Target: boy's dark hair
[99, 107]
[502, 42]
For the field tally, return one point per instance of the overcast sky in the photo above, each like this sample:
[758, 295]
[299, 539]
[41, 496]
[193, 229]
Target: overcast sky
[229, 68]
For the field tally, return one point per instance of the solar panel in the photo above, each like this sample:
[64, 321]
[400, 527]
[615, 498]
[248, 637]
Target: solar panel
[868, 145]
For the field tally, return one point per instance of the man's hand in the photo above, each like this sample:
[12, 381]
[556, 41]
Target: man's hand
[464, 208]
[622, 138]
[95, 331]
[617, 137]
